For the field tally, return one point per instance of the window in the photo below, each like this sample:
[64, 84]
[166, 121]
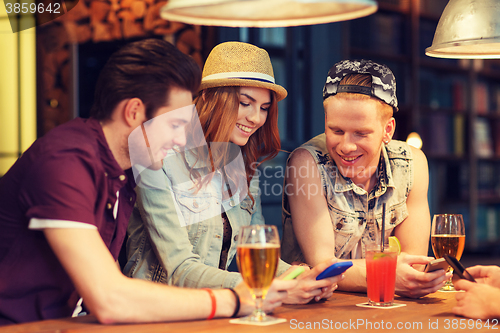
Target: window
[17, 89]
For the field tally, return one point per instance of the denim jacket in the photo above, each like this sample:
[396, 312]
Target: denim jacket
[184, 249]
[356, 215]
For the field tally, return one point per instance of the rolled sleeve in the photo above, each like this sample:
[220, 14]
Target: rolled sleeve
[61, 188]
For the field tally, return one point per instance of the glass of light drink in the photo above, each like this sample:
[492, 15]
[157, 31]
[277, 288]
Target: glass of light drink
[258, 253]
[380, 275]
[448, 237]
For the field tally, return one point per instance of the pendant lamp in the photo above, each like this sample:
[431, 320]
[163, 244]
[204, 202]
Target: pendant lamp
[265, 13]
[468, 29]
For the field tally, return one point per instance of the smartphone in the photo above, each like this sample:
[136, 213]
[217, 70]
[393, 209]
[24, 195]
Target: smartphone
[458, 269]
[335, 269]
[293, 274]
[436, 264]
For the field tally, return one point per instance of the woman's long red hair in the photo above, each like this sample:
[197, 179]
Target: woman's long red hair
[218, 111]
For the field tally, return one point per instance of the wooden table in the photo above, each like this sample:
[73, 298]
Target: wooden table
[340, 313]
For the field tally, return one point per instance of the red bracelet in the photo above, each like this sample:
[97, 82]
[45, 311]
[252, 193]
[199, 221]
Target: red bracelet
[214, 303]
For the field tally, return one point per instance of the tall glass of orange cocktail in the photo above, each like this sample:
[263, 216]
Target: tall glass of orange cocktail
[380, 275]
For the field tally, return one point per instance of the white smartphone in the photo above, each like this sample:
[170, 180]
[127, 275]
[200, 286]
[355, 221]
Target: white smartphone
[434, 265]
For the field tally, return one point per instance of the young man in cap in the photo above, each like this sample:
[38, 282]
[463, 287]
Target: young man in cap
[337, 183]
[66, 203]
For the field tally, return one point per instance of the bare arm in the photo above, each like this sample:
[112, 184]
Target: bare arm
[414, 231]
[114, 298]
[312, 224]
[311, 220]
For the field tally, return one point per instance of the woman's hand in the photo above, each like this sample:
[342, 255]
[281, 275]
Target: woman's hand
[276, 294]
[308, 288]
[413, 283]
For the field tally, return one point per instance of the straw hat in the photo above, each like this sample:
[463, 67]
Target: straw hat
[240, 64]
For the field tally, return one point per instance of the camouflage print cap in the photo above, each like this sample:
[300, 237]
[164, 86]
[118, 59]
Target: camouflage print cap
[383, 80]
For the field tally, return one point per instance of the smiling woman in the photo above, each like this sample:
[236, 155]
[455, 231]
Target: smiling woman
[184, 232]
[252, 113]
[237, 109]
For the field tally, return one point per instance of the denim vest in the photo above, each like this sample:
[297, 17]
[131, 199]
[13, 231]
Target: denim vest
[356, 215]
[184, 249]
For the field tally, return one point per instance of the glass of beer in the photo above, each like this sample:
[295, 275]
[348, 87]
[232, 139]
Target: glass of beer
[258, 253]
[448, 237]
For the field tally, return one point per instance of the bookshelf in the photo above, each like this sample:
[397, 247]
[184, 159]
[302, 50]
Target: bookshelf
[453, 104]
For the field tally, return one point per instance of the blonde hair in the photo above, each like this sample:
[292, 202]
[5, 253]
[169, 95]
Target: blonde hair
[365, 80]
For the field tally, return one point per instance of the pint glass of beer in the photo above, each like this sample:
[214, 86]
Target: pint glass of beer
[258, 254]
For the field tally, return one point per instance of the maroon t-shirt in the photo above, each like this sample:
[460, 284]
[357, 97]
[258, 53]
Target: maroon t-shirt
[69, 174]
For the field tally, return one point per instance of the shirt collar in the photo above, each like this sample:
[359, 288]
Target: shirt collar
[195, 162]
[111, 167]
[385, 167]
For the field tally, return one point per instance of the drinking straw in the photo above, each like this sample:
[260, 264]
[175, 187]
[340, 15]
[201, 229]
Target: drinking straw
[382, 287]
[383, 227]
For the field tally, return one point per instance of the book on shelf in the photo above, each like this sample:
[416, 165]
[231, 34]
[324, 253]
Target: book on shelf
[459, 95]
[482, 135]
[488, 223]
[464, 179]
[491, 224]
[486, 181]
[481, 104]
[444, 134]
[496, 126]
[495, 99]
[459, 135]
[436, 134]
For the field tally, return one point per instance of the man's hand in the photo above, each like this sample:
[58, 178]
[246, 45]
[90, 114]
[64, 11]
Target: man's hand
[410, 282]
[489, 275]
[479, 301]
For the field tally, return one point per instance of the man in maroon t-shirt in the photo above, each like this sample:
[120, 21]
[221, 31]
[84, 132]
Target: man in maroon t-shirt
[65, 204]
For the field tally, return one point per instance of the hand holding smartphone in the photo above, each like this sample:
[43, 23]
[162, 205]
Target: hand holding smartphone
[335, 269]
[458, 269]
[436, 264]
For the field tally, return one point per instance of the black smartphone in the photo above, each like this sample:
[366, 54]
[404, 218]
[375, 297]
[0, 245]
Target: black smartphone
[436, 264]
[458, 268]
[335, 269]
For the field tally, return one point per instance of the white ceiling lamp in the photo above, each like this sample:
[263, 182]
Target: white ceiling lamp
[468, 29]
[265, 13]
